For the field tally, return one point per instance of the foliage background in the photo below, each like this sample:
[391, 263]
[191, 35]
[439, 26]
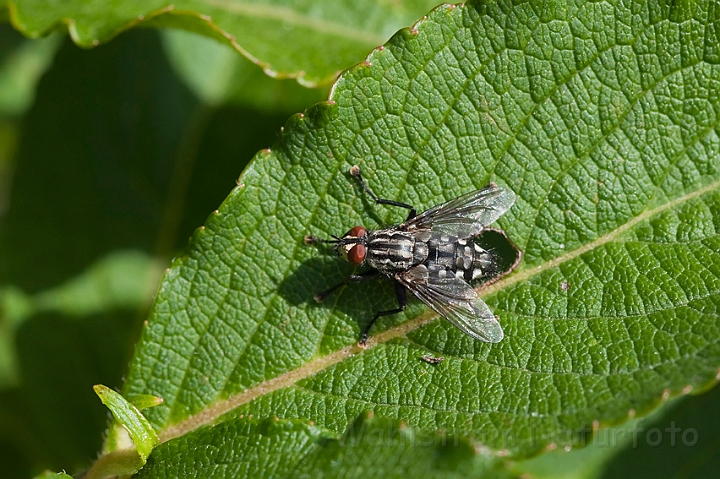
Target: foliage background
[109, 159]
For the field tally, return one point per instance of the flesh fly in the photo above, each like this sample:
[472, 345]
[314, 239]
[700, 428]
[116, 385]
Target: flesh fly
[432, 255]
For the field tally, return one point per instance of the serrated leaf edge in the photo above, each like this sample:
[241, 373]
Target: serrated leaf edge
[299, 76]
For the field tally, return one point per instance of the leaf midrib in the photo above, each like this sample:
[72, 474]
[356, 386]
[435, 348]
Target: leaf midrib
[608, 237]
[311, 368]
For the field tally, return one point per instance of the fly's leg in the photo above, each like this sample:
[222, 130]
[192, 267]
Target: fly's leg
[355, 171]
[402, 302]
[354, 278]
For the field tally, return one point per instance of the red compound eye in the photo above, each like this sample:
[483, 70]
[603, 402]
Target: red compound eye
[356, 255]
[358, 232]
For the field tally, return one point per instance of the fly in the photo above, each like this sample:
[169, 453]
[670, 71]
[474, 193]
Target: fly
[432, 255]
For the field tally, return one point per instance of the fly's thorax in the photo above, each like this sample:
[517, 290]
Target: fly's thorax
[391, 250]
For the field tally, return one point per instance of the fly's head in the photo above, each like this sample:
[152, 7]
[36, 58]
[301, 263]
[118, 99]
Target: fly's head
[351, 247]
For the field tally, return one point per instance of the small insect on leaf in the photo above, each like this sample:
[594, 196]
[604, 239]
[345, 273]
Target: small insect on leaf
[432, 255]
[433, 360]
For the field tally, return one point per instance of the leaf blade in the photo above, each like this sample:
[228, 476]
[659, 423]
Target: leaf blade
[422, 137]
[284, 448]
[304, 40]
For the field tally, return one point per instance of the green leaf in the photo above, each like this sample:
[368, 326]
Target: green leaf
[307, 40]
[218, 76]
[53, 475]
[682, 441]
[22, 62]
[587, 462]
[602, 119]
[289, 448]
[97, 182]
[129, 417]
[93, 155]
[110, 130]
[123, 280]
[144, 401]
[678, 439]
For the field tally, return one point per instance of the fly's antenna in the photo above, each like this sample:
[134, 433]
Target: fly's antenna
[310, 239]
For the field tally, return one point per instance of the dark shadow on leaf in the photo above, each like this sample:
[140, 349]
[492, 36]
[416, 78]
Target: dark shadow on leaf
[320, 273]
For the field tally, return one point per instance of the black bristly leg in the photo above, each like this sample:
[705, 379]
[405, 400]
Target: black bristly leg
[353, 278]
[355, 171]
[402, 302]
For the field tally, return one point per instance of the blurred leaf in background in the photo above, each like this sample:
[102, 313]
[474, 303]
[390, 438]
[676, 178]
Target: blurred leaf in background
[680, 439]
[311, 40]
[113, 166]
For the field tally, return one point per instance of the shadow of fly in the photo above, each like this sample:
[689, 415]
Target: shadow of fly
[432, 255]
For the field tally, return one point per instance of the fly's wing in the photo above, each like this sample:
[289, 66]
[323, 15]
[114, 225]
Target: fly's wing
[455, 300]
[467, 215]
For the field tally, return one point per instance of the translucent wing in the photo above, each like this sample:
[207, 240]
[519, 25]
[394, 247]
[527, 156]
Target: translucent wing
[455, 300]
[467, 215]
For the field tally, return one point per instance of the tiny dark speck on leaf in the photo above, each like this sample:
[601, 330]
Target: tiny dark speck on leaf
[565, 286]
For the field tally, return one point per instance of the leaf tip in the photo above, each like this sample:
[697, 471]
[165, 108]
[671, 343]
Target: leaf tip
[100, 389]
